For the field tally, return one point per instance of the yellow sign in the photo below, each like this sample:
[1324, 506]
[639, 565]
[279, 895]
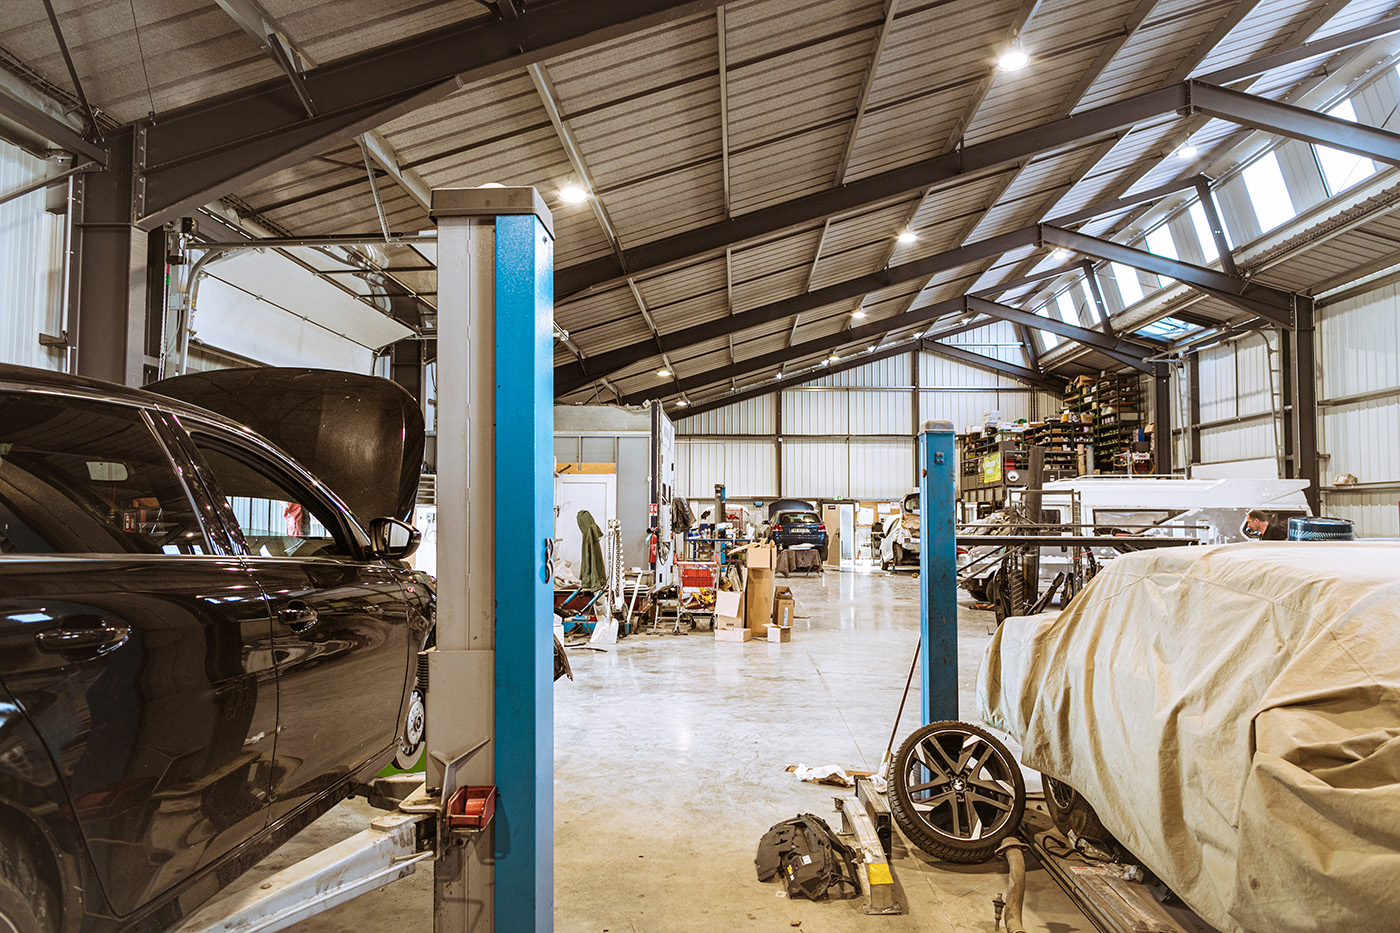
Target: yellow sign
[991, 468]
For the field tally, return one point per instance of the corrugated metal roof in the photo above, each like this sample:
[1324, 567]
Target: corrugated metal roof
[647, 123]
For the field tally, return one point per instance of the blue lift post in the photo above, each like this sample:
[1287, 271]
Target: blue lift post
[490, 695]
[938, 572]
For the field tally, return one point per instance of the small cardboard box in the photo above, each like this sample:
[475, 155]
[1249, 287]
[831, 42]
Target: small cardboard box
[784, 606]
[760, 556]
[733, 634]
[777, 634]
[729, 610]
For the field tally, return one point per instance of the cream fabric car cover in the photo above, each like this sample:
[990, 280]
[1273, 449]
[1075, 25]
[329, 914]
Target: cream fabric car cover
[1233, 714]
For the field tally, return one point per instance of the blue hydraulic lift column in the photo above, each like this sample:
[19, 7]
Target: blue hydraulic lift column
[490, 684]
[938, 574]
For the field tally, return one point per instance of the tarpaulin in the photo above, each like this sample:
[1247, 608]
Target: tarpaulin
[1233, 715]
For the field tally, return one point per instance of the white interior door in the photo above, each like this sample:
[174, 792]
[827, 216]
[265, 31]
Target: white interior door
[594, 493]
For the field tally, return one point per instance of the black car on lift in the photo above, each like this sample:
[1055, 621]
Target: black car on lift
[799, 527]
[202, 646]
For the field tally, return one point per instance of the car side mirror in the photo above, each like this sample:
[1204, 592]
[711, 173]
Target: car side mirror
[392, 539]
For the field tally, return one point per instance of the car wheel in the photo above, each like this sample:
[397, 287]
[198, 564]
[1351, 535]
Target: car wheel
[821, 554]
[28, 903]
[1072, 813]
[956, 792]
[412, 734]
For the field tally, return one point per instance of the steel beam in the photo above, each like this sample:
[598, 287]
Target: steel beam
[572, 376]
[1295, 122]
[1183, 98]
[199, 153]
[1128, 201]
[1124, 351]
[1342, 40]
[796, 352]
[797, 379]
[1272, 304]
[958, 354]
[41, 126]
[908, 180]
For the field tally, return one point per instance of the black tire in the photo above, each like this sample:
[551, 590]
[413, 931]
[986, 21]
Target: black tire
[898, 554]
[956, 792]
[1072, 813]
[28, 902]
[821, 554]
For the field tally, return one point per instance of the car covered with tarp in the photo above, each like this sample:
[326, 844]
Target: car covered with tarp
[1232, 715]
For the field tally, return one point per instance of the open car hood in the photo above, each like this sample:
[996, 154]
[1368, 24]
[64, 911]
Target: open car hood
[360, 435]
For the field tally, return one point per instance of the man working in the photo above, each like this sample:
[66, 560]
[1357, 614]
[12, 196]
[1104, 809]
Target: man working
[1259, 523]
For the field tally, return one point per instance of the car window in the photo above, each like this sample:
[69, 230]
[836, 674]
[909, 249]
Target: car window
[80, 477]
[278, 517]
[799, 518]
[911, 504]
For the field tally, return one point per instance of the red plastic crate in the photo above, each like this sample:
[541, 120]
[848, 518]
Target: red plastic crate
[697, 573]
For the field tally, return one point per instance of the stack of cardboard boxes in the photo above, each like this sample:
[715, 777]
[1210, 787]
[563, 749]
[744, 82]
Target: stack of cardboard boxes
[758, 610]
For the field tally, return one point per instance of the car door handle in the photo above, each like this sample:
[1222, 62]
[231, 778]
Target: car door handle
[298, 616]
[85, 633]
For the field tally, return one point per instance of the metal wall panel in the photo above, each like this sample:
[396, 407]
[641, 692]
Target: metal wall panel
[31, 266]
[1374, 511]
[879, 411]
[1218, 383]
[1250, 441]
[969, 409]
[699, 466]
[1358, 345]
[751, 416]
[815, 469]
[814, 411]
[1363, 439]
[881, 469]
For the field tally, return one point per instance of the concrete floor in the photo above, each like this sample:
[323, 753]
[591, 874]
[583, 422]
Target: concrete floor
[670, 757]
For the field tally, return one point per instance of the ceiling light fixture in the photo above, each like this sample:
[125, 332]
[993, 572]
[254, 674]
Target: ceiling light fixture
[663, 372]
[492, 184]
[573, 194]
[682, 403]
[907, 236]
[833, 358]
[1014, 58]
[1060, 254]
[1187, 151]
[858, 313]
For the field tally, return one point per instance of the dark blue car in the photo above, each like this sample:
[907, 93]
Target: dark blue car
[799, 528]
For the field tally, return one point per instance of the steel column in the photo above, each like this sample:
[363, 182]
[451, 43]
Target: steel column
[1162, 430]
[110, 283]
[491, 674]
[1303, 377]
[938, 574]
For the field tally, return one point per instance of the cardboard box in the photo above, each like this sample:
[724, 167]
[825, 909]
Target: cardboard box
[758, 600]
[760, 556]
[784, 608]
[777, 634]
[729, 610]
[733, 634]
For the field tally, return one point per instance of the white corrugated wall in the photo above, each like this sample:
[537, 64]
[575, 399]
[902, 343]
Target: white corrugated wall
[850, 434]
[31, 265]
[1240, 395]
[1359, 355]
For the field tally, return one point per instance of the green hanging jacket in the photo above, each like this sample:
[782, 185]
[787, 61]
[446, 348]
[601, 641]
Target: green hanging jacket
[591, 572]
